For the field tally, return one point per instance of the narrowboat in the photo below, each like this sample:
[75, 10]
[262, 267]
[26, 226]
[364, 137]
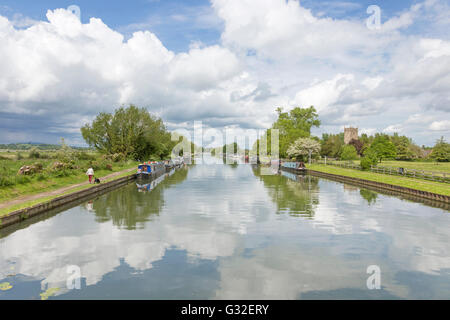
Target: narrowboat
[147, 187]
[169, 165]
[151, 169]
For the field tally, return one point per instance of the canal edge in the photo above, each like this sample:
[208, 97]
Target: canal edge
[375, 184]
[25, 213]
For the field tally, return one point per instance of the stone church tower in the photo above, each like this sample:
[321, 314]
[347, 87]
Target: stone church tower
[350, 134]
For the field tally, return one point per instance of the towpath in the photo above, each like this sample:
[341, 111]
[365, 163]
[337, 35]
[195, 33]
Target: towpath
[56, 192]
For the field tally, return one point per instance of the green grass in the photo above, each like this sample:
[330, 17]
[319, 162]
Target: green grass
[412, 165]
[31, 203]
[429, 186]
[48, 180]
[427, 166]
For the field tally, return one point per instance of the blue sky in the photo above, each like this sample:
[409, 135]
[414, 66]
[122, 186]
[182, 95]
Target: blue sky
[225, 63]
[175, 22]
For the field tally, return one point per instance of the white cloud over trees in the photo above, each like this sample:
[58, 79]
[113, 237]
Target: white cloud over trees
[271, 53]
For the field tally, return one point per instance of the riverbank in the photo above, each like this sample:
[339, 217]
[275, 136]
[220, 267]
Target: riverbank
[50, 175]
[33, 198]
[378, 179]
[49, 203]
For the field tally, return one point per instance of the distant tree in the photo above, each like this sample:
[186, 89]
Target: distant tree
[382, 147]
[441, 151]
[402, 147]
[131, 131]
[358, 145]
[302, 147]
[213, 152]
[366, 139]
[331, 144]
[348, 152]
[232, 146]
[34, 153]
[370, 159]
[296, 123]
[416, 151]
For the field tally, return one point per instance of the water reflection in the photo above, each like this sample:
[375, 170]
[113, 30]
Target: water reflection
[130, 209]
[215, 231]
[370, 196]
[296, 195]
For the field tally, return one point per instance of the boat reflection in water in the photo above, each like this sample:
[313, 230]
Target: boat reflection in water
[147, 187]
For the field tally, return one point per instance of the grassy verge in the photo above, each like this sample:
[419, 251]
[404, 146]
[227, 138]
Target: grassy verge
[31, 203]
[429, 186]
[443, 167]
[51, 183]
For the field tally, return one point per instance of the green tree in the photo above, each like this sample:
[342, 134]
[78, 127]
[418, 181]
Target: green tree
[382, 147]
[348, 152]
[370, 159]
[358, 145]
[296, 123]
[417, 151]
[402, 146]
[302, 147]
[441, 151]
[232, 146]
[132, 131]
[331, 144]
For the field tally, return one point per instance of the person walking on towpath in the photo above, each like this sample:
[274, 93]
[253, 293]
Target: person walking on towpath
[90, 173]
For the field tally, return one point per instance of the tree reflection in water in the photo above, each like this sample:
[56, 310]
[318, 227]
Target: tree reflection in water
[130, 208]
[370, 196]
[297, 195]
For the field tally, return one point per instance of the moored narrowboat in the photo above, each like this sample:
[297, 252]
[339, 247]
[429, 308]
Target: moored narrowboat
[150, 169]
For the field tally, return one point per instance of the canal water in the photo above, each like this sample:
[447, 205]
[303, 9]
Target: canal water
[232, 232]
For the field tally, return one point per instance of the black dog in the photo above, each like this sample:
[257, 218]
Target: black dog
[97, 180]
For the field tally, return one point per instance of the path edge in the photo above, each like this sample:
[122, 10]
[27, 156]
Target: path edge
[25, 213]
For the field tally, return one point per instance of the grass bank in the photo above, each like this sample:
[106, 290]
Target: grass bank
[412, 165]
[26, 204]
[48, 182]
[429, 186]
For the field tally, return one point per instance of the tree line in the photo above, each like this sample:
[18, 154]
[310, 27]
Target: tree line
[133, 132]
[296, 142]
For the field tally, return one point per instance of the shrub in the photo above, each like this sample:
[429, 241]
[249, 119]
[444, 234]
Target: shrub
[61, 173]
[38, 167]
[82, 155]
[348, 152]
[21, 179]
[5, 180]
[34, 153]
[369, 159]
[118, 157]
[101, 165]
[441, 151]
[41, 177]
